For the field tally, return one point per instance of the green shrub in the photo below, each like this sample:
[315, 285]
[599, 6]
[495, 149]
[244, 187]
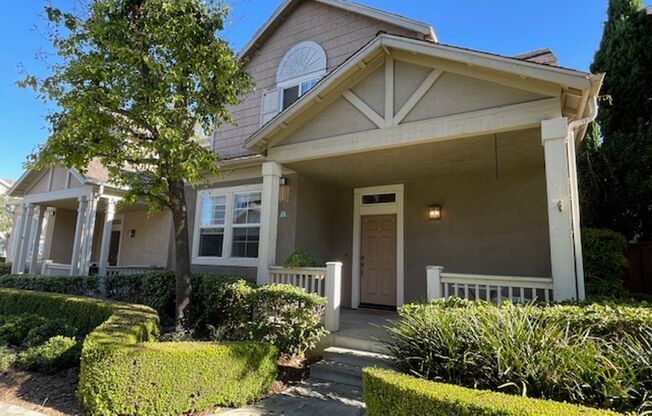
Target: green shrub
[40, 334]
[588, 354]
[158, 291]
[7, 358]
[122, 371]
[288, 317]
[57, 353]
[15, 328]
[394, 394]
[5, 268]
[604, 261]
[221, 305]
[123, 287]
[300, 258]
[71, 285]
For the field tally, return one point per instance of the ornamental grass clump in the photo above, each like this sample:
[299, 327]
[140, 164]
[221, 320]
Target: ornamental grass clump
[596, 355]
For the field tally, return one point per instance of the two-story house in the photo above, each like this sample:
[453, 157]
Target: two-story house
[370, 143]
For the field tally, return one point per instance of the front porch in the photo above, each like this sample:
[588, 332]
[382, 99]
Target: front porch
[75, 228]
[495, 237]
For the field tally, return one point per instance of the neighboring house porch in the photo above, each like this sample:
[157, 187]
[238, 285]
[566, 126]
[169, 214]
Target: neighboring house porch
[69, 224]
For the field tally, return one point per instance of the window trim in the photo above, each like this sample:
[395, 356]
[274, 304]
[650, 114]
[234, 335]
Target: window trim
[226, 259]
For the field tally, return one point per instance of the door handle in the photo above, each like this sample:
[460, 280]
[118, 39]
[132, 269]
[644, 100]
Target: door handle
[361, 265]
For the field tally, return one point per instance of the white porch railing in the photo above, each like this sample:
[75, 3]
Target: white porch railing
[54, 269]
[309, 278]
[322, 281]
[485, 287]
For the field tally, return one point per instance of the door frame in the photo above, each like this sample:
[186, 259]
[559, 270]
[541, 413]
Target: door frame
[377, 209]
[118, 227]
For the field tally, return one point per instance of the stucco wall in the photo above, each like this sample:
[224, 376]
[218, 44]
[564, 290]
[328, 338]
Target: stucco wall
[149, 246]
[339, 32]
[63, 236]
[489, 226]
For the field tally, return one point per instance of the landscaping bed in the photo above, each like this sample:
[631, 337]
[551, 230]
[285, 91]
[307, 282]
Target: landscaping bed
[593, 354]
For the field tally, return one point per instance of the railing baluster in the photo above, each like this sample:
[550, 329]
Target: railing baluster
[510, 292]
[445, 290]
[522, 298]
[466, 291]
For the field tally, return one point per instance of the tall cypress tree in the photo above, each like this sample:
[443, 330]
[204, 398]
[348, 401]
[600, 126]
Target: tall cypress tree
[616, 165]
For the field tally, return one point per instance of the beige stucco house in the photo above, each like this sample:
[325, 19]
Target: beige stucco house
[417, 169]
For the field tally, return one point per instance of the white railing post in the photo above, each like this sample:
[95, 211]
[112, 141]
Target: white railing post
[45, 268]
[333, 289]
[433, 277]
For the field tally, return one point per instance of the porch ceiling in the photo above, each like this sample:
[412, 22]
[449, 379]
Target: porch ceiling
[514, 151]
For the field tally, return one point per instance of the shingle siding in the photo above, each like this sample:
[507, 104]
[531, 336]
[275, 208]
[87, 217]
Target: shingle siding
[339, 32]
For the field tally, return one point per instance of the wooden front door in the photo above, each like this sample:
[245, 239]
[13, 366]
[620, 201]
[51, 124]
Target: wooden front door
[378, 260]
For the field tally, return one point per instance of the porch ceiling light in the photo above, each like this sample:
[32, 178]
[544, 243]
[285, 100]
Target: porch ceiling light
[434, 212]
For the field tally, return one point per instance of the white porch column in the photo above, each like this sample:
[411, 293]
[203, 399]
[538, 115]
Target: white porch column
[24, 242]
[106, 236]
[87, 235]
[555, 137]
[268, 221]
[19, 239]
[433, 282]
[76, 244]
[333, 292]
[37, 240]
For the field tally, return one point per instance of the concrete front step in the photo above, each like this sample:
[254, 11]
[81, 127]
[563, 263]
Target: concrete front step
[356, 357]
[344, 365]
[354, 343]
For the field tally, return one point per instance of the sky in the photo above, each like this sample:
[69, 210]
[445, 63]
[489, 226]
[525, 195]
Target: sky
[571, 28]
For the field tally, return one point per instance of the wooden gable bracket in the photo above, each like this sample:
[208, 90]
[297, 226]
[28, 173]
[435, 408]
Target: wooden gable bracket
[417, 96]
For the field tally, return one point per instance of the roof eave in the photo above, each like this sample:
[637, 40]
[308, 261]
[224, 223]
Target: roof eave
[289, 5]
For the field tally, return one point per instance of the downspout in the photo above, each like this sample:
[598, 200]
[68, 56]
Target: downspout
[575, 206]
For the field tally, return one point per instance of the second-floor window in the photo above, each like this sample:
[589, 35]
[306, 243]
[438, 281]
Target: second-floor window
[298, 72]
[292, 93]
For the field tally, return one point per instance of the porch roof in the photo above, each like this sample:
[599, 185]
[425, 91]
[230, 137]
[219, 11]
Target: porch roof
[96, 174]
[575, 88]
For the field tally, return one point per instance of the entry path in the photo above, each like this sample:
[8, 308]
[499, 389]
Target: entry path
[311, 398]
[7, 409]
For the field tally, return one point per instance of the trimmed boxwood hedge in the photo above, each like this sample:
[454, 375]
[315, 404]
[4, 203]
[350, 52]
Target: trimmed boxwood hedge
[124, 371]
[394, 394]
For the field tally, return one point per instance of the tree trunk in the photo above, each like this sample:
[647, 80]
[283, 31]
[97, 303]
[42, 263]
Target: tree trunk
[182, 249]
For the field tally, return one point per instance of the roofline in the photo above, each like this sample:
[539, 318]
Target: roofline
[562, 76]
[377, 14]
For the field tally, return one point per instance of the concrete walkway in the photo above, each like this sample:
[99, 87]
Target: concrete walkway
[7, 409]
[311, 398]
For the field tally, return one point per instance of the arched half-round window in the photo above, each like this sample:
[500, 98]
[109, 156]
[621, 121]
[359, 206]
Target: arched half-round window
[300, 69]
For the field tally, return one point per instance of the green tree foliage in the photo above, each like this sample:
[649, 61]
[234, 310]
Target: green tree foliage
[133, 81]
[616, 172]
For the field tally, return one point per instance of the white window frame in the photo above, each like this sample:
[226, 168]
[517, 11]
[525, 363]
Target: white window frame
[227, 245]
[282, 86]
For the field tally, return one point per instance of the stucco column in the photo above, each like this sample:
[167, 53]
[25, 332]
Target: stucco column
[37, 240]
[268, 221]
[87, 235]
[76, 244]
[555, 136]
[109, 215]
[18, 239]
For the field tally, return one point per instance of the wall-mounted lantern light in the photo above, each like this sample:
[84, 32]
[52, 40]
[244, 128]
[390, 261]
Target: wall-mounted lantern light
[434, 212]
[132, 233]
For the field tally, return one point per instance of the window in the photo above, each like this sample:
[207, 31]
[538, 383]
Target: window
[291, 94]
[229, 226]
[300, 69]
